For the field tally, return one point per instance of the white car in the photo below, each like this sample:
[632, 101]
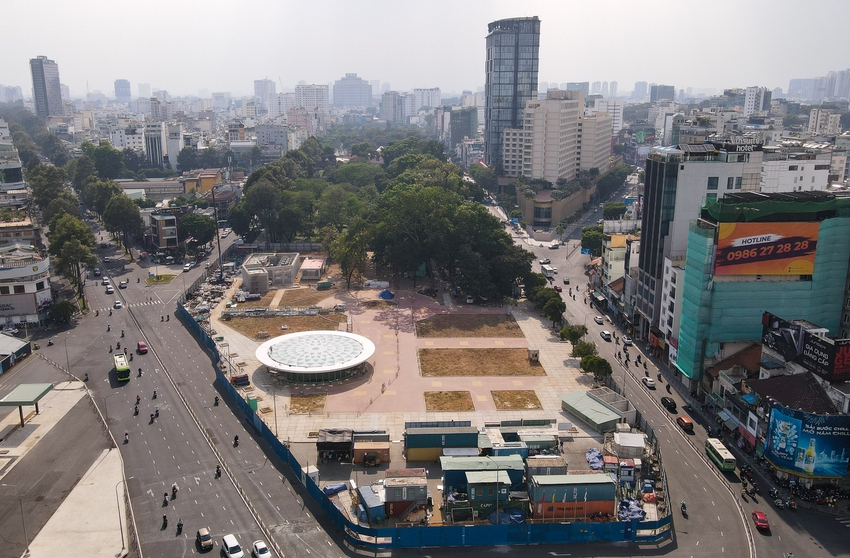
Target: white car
[231, 547]
[627, 341]
[118, 304]
[260, 550]
[648, 382]
[187, 267]
[109, 289]
[598, 320]
[606, 335]
[545, 261]
[470, 300]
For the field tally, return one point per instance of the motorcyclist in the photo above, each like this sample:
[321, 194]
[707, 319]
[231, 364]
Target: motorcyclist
[168, 318]
[156, 412]
[138, 399]
[684, 507]
[118, 345]
[110, 348]
[140, 372]
[179, 525]
[216, 400]
[126, 437]
[122, 333]
[165, 518]
[218, 471]
[236, 440]
[136, 411]
[154, 393]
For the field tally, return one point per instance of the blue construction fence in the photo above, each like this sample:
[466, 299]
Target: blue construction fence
[382, 538]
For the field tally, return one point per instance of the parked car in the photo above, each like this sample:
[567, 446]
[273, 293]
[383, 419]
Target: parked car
[760, 519]
[669, 404]
[685, 423]
[606, 335]
[260, 550]
[544, 261]
[627, 341]
[231, 547]
[10, 329]
[470, 300]
[204, 539]
[142, 347]
[648, 382]
[187, 267]
[598, 320]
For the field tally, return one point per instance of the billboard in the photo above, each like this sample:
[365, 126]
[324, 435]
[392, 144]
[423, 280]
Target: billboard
[808, 347]
[808, 445]
[766, 248]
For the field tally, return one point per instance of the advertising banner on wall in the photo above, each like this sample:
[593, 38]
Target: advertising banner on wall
[808, 445]
[766, 248]
[821, 355]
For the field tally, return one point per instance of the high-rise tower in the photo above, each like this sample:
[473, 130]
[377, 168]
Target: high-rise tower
[513, 47]
[46, 90]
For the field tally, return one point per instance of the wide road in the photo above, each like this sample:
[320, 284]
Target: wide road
[173, 449]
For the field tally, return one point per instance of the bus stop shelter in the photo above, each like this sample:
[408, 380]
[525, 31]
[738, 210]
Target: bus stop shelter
[25, 394]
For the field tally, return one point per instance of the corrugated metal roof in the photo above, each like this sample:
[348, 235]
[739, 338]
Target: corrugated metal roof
[549, 480]
[589, 407]
[444, 430]
[513, 462]
[482, 477]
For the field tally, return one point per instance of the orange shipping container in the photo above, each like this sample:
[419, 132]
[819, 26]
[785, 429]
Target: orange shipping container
[568, 510]
[378, 452]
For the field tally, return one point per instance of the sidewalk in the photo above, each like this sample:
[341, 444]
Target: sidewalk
[93, 516]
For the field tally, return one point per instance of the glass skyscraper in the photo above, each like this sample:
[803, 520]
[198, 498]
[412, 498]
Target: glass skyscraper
[47, 94]
[513, 47]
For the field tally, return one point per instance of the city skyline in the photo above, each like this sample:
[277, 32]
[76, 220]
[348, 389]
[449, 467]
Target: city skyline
[578, 43]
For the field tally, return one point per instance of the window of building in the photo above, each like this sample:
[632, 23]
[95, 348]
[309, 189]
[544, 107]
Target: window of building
[39, 286]
[738, 181]
[711, 197]
[712, 181]
[19, 289]
[730, 183]
[821, 167]
[792, 167]
[4, 290]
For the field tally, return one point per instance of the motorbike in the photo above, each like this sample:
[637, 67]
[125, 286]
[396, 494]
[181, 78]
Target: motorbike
[137, 280]
[644, 365]
[790, 504]
[684, 510]
[136, 411]
[156, 413]
[140, 372]
[774, 493]
[164, 503]
[110, 348]
[122, 333]
[779, 503]
[154, 393]
[164, 521]
[96, 313]
[217, 471]
[235, 441]
[86, 377]
[118, 345]
[668, 388]
[179, 526]
[646, 373]
[138, 399]
[131, 357]
[110, 312]
[174, 492]
[215, 401]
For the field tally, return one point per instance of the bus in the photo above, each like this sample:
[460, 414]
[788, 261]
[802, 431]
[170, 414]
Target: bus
[122, 369]
[718, 453]
[548, 271]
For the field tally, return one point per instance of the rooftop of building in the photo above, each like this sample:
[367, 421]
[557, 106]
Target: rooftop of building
[16, 222]
[795, 391]
[18, 254]
[270, 259]
[749, 359]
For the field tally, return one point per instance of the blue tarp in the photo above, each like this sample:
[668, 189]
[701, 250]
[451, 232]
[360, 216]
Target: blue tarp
[386, 295]
[507, 517]
[594, 458]
[630, 509]
[332, 489]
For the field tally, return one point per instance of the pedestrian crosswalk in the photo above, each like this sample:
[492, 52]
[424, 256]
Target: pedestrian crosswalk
[844, 520]
[132, 305]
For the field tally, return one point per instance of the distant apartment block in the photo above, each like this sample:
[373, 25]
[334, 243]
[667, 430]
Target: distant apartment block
[312, 97]
[824, 122]
[352, 91]
[46, 89]
[123, 92]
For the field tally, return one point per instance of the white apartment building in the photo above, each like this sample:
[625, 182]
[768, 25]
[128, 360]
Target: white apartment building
[824, 122]
[551, 136]
[428, 97]
[756, 101]
[513, 142]
[672, 287]
[593, 142]
[155, 143]
[249, 108]
[795, 167]
[280, 104]
[133, 136]
[312, 97]
[25, 294]
[613, 107]
[174, 142]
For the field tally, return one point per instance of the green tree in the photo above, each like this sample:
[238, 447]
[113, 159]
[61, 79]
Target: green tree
[554, 309]
[360, 174]
[62, 312]
[108, 161]
[46, 182]
[573, 333]
[134, 161]
[336, 207]
[532, 283]
[122, 216]
[613, 210]
[591, 239]
[597, 366]
[146, 203]
[240, 219]
[60, 206]
[484, 176]
[584, 349]
[97, 193]
[262, 201]
[364, 149]
[542, 296]
[83, 171]
[72, 244]
[791, 120]
[199, 227]
[350, 249]
[187, 159]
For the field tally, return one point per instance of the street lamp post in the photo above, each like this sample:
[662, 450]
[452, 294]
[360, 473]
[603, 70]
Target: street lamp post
[67, 360]
[118, 502]
[23, 521]
[274, 404]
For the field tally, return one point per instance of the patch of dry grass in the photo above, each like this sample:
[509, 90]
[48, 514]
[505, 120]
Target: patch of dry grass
[249, 326]
[478, 362]
[305, 404]
[263, 302]
[468, 325]
[377, 304]
[515, 399]
[448, 401]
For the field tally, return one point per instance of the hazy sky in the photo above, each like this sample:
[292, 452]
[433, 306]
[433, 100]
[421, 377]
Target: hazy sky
[185, 46]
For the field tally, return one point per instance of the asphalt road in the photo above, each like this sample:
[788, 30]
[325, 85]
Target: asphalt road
[172, 449]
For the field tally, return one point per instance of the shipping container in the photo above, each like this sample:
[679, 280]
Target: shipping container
[593, 486]
[372, 498]
[578, 509]
[449, 437]
[396, 509]
[548, 465]
[405, 489]
[511, 448]
[371, 436]
[405, 473]
[371, 454]
[423, 454]
[455, 469]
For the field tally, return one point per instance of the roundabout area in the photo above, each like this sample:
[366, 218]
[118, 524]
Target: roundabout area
[315, 356]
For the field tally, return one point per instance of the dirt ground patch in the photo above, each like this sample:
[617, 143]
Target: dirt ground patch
[250, 326]
[468, 325]
[376, 304]
[478, 362]
[303, 296]
[515, 399]
[448, 401]
[306, 404]
[263, 302]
